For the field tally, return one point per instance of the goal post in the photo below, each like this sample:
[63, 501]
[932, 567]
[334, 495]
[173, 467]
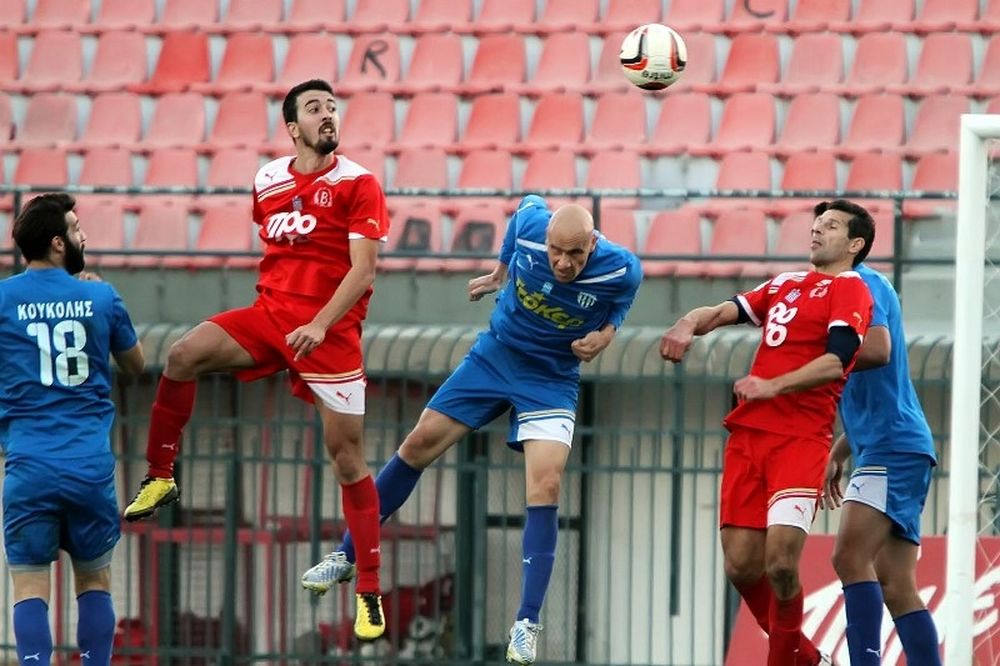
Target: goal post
[964, 467]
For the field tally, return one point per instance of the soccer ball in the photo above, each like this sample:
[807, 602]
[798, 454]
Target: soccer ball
[653, 56]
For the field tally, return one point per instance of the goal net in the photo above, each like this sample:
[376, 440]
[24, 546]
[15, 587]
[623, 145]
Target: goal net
[973, 564]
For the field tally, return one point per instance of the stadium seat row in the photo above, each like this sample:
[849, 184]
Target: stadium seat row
[817, 62]
[288, 16]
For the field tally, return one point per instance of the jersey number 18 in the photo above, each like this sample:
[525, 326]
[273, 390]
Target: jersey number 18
[70, 365]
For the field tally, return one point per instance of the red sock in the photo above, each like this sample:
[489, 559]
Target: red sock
[171, 412]
[361, 511]
[786, 631]
[758, 598]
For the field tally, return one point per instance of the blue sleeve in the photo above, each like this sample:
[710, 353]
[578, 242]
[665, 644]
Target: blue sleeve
[123, 335]
[623, 302]
[528, 204]
[880, 313]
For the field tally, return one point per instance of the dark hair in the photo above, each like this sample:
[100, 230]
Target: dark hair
[40, 221]
[861, 224]
[289, 108]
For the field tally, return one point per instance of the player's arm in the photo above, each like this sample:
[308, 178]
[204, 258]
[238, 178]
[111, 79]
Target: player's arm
[678, 338]
[875, 350]
[485, 285]
[833, 494]
[132, 361]
[488, 284]
[589, 346]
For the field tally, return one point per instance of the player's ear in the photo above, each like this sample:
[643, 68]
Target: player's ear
[293, 129]
[856, 245]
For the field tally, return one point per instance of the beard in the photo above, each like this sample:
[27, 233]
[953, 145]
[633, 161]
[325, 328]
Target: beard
[323, 145]
[75, 261]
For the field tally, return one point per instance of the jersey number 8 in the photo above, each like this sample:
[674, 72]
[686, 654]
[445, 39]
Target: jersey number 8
[72, 367]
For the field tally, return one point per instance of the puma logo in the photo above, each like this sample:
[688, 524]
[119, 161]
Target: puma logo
[857, 486]
[172, 447]
[801, 509]
[376, 550]
[346, 397]
[526, 560]
[877, 653]
[564, 427]
[37, 657]
[85, 655]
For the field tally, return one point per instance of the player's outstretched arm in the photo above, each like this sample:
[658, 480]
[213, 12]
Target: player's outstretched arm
[488, 284]
[678, 338]
[819, 371]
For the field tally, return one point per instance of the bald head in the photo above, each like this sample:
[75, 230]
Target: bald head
[569, 240]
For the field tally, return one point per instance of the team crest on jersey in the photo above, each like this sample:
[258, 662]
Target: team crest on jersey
[793, 295]
[547, 288]
[323, 197]
[586, 300]
[296, 203]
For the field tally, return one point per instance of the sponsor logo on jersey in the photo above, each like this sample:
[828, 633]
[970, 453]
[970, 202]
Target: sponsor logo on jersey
[586, 300]
[820, 290]
[534, 301]
[289, 226]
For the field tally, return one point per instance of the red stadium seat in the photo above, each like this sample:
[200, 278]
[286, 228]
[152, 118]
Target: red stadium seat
[564, 16]
[185, 15]
[178, 120]
[172, 167]
[564, 65]
[247, 63]
[936, 172]
[500, 62]
[615, 170]
[987, 83]
[226, 226]
[379, 16]
[988, 22]
[494, 123]
[415, 229]
[120, 61]
[763, 14]
[879, 62]
[945, 65]
[368, 122]
[14, 12]
[313, 16]
[49, 120]
[107, 167]
[436, 64]
[121, 15]
[693, 16]
[240, 122]
[441, 16]
[815, 16]
[557, 123]
[804, 172]
[44, 167]
[115, 120]
[939, 16]
[794, 239]
[608, 75]
[9, 70]
[309, 56]
[479, 229]
[876, 16]
[817, 61]
[6, 120]
[935, 128]
[753, 60]
[618, 224]
[737, 232]
[748, 123]
[625, 15]
[701, 65]
[103, 221]
[812, 122]
[673, 232]
[431, 122]
[162, 226]
[619, 123]
[685, 123]
[877, 124]
[739, 171]
[422, 167]
[875, 171]
[486, 169]
[56, 60]
[251, 15]
[501, 16]
[550, 169]
[183, 61]
[373, 65]
[233, 167]
[59, 15]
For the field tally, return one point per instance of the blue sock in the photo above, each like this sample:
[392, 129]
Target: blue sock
[32, 633]
[919, 637]
[394, 483]
[541, 529]
[95, 629]
[863, 603]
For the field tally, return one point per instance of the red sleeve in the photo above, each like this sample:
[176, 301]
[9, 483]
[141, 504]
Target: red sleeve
[756, 302]
[368, 216]
[850, 303]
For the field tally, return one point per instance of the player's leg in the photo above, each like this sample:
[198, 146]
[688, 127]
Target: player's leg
[782, 554]
[95, 629]
[206, 348]
[31, 614]
[896, 567]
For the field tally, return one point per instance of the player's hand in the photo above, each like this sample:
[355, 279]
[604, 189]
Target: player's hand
[305, 339]
[754, 388]
[483, 286]
[677, 340]
[589, 346]
[833, 494]
[88, 276]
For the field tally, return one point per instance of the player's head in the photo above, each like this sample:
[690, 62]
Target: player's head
[310, 113]
[841, 229]
[48, 230]
[569, 241]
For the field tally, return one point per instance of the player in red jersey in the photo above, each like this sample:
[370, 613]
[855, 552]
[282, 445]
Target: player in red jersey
[321, 218]
[780, 431]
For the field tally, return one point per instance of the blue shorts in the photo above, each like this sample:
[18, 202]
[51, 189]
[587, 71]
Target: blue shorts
[494, 378]
[52, 504]
[896, 484]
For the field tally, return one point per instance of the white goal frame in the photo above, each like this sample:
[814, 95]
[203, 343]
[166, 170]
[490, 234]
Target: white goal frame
[963, 482]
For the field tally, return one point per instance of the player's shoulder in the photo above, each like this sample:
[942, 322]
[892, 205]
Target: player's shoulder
[783, 279]
[347, 168]
[611, 263]
[875, 280]
[532, 218]
[275, 172]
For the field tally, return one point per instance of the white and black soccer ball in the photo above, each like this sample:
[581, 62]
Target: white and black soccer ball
[653, 56]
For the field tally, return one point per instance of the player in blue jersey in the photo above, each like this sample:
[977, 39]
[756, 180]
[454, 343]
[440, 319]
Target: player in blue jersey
[879, 537]
[56, 335]
[564, 290]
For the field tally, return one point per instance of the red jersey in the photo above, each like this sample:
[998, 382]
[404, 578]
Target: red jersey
[307, 220]
[797, 310]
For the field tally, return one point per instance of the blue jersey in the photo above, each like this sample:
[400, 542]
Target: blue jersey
[56, 334]
[540, 316]
[879, 407]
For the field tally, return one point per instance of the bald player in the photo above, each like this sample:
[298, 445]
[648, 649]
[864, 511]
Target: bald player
[564, 289]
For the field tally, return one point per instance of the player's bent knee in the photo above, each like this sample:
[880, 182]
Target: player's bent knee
[545, 490]
[848, 562]
[784, 577]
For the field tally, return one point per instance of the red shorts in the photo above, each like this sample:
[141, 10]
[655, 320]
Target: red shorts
[261, 330]
[762, 469]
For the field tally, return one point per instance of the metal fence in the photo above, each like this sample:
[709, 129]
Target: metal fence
[638, 576]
